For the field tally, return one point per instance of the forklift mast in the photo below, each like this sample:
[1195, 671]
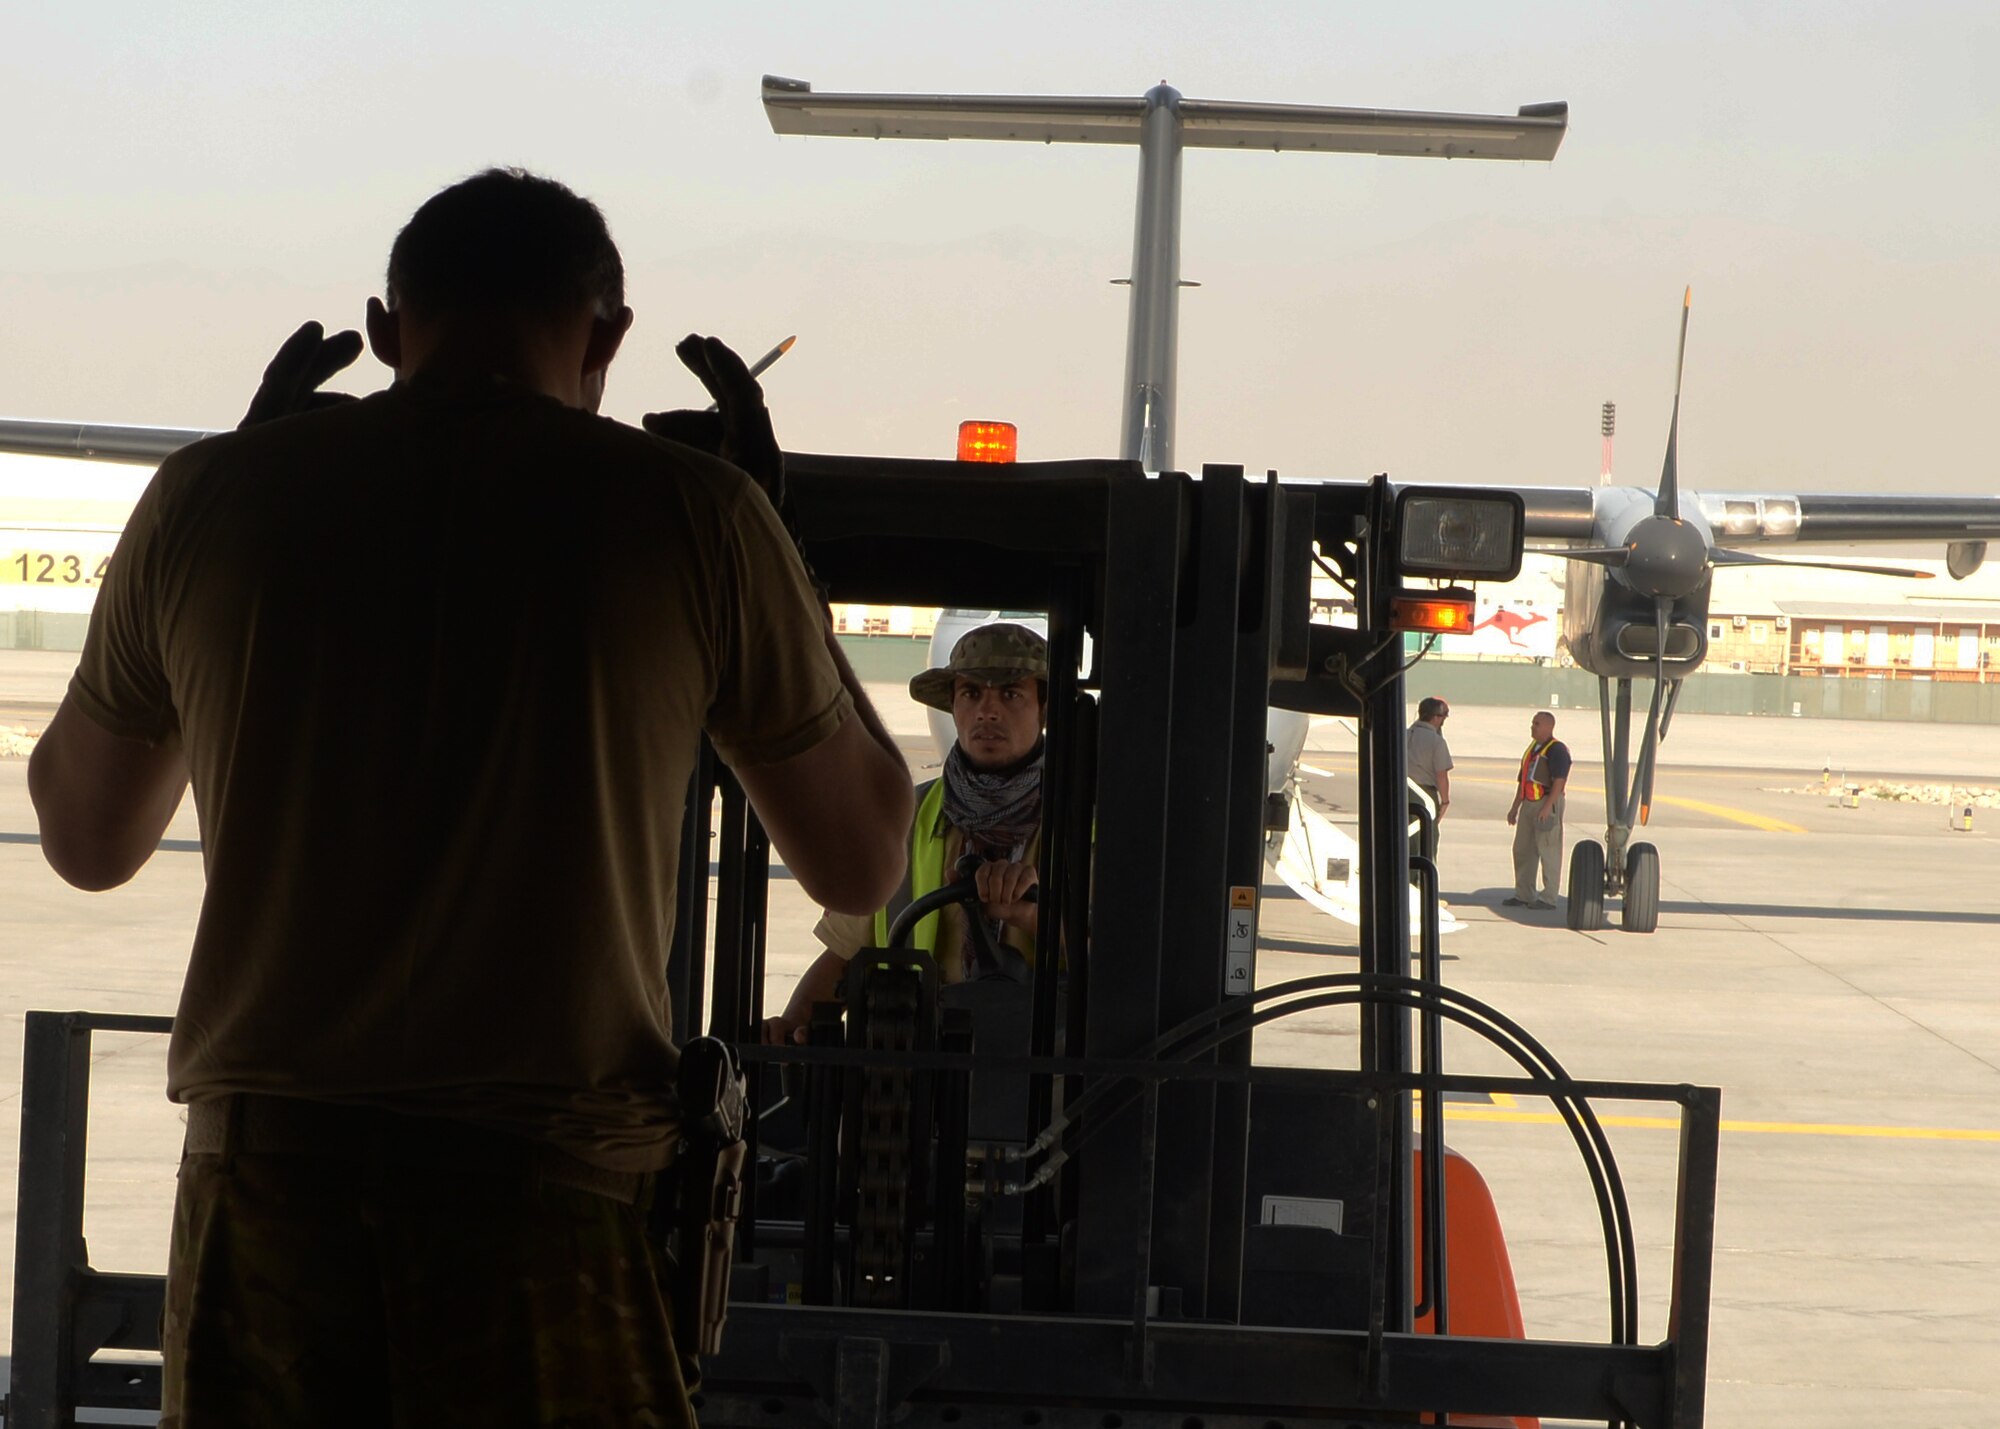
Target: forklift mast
[1075, 1229]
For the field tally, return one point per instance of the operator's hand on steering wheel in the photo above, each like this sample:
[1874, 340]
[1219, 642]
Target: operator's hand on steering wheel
[739, 430]
[1003, 892]
[780, 1033]
[293, 378]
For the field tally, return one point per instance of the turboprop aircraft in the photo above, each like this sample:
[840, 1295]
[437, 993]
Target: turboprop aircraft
[1635, 606]
[1639, 563]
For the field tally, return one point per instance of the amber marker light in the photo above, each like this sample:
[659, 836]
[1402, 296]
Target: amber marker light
[988, 441]
[1446, 613]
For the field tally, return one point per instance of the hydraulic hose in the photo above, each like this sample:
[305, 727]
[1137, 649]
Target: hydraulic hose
[1339, 989]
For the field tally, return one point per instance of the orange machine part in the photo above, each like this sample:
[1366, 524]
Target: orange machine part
[1479, 1279]
[988, 441]
[1444, 615]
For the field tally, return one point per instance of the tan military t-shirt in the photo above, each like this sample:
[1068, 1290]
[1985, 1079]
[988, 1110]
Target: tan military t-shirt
[439, 660]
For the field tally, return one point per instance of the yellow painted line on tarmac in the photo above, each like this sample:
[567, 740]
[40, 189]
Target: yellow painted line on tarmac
[1723, 811]
[1459, 1111]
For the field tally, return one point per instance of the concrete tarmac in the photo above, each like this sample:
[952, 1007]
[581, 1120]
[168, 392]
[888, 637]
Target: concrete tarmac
[1833, 970]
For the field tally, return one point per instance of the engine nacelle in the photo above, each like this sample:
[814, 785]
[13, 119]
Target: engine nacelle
[1610, 630]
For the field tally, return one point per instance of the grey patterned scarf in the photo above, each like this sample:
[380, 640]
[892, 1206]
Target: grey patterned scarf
[998, 811]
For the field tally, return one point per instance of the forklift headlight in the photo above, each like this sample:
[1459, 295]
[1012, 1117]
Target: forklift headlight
[1459, 533]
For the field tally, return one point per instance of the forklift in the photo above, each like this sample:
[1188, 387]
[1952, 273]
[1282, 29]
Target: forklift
[1081, 1201]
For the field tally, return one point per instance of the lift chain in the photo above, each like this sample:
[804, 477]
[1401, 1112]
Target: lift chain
[881, 1216]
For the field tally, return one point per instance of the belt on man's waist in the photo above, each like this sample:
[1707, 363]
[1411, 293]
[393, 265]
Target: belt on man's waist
[251, 1124]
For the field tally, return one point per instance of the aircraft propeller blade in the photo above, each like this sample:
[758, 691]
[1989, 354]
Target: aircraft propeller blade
[1600, 555]
[1669, 502]
[1659, 735]
[1667, 715]
[1649, 744]
[1724, 557]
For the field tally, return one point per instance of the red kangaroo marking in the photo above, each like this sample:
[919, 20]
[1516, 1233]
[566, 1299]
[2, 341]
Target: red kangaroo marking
[1509, 624]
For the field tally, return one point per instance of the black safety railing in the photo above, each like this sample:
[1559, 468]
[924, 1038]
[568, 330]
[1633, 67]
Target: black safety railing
[65, 1311]
[1064, 1367]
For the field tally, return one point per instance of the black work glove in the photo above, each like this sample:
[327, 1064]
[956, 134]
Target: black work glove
[738, 431]
[291, 382]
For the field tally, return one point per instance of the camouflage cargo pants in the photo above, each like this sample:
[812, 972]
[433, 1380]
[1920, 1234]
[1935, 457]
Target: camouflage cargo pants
[305, 1291]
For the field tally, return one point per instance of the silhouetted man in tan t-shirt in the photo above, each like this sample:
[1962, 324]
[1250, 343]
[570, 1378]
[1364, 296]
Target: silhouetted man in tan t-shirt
[436, 664]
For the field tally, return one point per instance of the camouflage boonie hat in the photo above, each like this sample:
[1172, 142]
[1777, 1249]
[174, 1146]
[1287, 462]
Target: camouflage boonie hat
[992, 655]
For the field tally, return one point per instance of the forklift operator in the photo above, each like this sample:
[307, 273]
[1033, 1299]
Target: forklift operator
[989, 801]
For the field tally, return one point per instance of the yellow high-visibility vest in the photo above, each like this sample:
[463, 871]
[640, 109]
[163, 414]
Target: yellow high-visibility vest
[925, 873]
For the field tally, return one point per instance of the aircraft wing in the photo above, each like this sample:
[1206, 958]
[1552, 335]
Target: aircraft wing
[1535, 132]
[1746, 518]
[1562, 513]
[145, 446]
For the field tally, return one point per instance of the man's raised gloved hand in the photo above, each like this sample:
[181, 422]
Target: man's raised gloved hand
[738, 430]
[291, 382]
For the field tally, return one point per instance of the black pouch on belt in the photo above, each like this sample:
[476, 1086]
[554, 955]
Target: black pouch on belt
[708, 1177]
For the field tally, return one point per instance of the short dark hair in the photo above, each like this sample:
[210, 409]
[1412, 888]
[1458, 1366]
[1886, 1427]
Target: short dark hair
[1431, 705]
[506, 240]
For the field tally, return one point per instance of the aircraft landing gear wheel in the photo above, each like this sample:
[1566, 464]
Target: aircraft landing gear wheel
[1642, 889]
[1586, 886]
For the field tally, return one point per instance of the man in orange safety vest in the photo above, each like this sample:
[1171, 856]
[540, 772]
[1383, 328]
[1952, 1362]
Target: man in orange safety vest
[1537, 815]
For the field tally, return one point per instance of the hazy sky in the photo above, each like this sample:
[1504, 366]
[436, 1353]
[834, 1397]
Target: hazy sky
[184, 183]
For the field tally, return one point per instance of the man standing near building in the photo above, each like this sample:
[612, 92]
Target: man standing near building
[1428, 760]
[1537, 815]
[436, 664]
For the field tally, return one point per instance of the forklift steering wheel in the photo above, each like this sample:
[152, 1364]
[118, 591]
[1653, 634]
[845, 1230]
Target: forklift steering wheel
[964, 890]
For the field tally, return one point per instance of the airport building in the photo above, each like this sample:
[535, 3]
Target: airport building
[909, 622]
[1856, 639]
